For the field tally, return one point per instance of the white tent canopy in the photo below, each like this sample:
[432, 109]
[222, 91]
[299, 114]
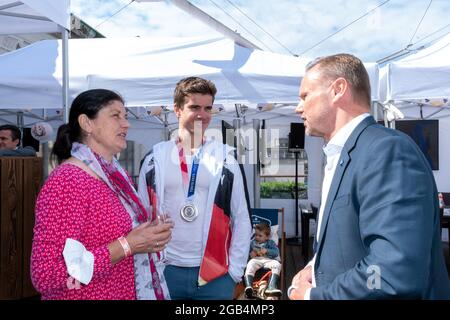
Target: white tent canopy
[40, 16]
[34, 16]
[146, 70]
[423, 75]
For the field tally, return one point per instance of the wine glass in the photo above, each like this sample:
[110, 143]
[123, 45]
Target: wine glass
[162, 217]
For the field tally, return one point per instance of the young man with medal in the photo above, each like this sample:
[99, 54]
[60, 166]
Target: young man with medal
[198, 184]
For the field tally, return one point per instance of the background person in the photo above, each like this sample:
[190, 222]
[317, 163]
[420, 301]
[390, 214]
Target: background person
[10, 137]
[264, 254]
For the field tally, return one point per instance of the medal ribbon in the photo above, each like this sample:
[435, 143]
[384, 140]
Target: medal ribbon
[184, 169]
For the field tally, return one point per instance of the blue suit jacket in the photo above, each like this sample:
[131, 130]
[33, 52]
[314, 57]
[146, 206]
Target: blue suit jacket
[380, 231]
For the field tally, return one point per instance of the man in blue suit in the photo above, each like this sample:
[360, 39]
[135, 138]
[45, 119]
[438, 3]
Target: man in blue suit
[378, 225]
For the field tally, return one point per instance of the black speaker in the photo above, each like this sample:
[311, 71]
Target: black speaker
[297, 136]
[28, 140]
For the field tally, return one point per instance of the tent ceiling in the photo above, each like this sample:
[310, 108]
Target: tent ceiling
[146, 70]
[33, 16]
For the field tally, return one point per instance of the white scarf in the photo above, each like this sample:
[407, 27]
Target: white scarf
[148, 271]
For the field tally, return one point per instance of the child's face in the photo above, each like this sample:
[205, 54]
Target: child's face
[260, 236]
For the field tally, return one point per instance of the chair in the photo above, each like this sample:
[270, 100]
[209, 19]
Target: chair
[270, 217]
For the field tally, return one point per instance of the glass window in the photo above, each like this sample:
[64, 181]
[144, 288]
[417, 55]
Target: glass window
[278, 177]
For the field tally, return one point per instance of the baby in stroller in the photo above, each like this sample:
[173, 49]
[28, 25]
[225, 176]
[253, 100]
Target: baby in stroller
[264, 253]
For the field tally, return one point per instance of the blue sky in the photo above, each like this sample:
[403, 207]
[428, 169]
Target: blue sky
[299, 25]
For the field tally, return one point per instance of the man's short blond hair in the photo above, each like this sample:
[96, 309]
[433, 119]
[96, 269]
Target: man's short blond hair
[350, 68]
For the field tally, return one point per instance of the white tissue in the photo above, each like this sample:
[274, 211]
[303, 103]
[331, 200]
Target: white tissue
[79, 261]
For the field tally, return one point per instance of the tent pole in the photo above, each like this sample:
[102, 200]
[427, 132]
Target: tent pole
[65, 72]
[166, 127]
[214, 23]
[45, 159]
[238, 137]
[20, 124]
[374, 110]
[257, 165]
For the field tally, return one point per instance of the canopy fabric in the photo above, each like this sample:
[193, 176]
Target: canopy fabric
[423, 75]
[146, 70]
[34, 16]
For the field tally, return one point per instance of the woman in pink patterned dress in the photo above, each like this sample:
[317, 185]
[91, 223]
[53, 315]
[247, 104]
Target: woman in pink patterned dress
[93, 239]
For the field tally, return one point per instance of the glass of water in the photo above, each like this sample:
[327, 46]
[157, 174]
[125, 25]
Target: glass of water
[162, 217]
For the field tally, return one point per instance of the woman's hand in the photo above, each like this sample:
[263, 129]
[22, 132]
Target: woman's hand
[150, 237]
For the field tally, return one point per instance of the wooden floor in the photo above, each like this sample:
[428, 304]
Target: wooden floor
[295, 262]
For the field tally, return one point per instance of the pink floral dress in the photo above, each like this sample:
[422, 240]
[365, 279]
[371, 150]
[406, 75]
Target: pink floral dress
[73, 204]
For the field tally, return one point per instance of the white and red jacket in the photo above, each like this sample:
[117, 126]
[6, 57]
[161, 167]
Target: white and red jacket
[226, 231]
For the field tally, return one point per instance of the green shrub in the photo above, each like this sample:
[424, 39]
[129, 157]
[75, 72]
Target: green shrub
[282, 189]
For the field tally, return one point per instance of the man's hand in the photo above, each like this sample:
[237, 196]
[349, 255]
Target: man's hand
[304, 274]
[253, 254]
[298, 293]
[302, 281]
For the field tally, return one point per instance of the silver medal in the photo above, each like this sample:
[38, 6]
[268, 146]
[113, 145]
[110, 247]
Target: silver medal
[189, 212]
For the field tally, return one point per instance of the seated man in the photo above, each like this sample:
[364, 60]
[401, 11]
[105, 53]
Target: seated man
[10, 136]
[263, 254]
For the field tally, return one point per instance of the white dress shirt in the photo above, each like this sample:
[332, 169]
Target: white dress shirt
[332, 152]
